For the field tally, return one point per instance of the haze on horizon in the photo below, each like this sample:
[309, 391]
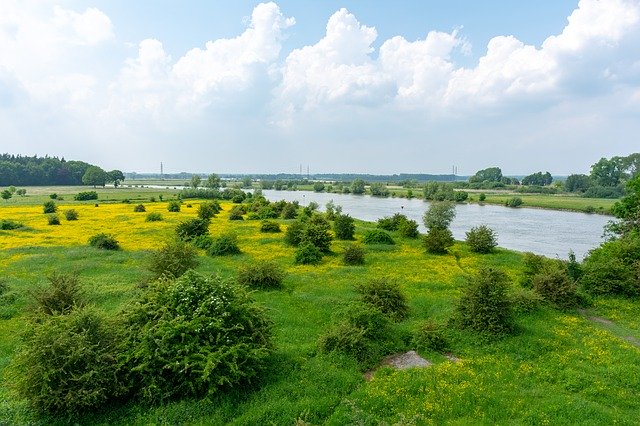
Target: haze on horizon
[344, 87]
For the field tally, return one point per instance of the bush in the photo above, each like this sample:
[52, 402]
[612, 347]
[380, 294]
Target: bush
[377, 236]
[9, 225]
[482, 197]
[430, 336]
[524, 300]
[532, 264]
[63, 294]
[308, 254]
[192, 228]
[261, 275]
[208, 210]
[104, 242]
[193, 337]
[613, 267]
[481, 239]
[153, 217]
[140, 208]
[86, 195]
[408, 228]
[224, 245]
[53, 219]
[554, 285]
[437, 240]
[202, 242]
[49, 207]
[53, 196]
[514, 202]
[67, 364]
[71, 214]
[386, 297]
[173, 206]
[344, 227]
[289, 211]
[353, 255]
[236, 213]
[270, 226]
[172, 260]
[317, 232]
[294, 233]
[439, 215]
[484, 306]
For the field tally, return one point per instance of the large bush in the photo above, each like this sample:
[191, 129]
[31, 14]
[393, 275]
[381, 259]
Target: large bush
[554, 285]
[104, 241]
[270, 226]
[294, 234]
[261, 275]
[484, 306]
[71, 214]
[437, 220]
[153, 217]
[49, 207]
[192, 228]
[481, 239]
[208, 209]
[173, 259]
[399, 222]
[353, 255]
[61, 296]
[140, 208]
[194, 336]
[9, 225]
[385, 296]
[613, 268]
[173, 206]
[430, 336]
[308, 254]
[377, 236]
[344, 227]
[86, 195]
[437, 240]
[224, 245]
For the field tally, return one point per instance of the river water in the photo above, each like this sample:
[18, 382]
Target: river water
[551, 233]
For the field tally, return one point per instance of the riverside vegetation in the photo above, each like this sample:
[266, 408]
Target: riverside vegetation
[192, 318]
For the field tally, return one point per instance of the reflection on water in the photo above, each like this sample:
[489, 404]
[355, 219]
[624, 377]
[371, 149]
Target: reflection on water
[548, 232]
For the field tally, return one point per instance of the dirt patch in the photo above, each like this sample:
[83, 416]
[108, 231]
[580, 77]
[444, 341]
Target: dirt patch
[632, 340]
[451, 357]
[401, 361]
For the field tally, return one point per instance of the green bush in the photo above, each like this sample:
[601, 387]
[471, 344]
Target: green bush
[140, 208]
[484, 306]
[63, 294]
[262, 275]
[481, 239]
[53, 219]
[9, 225]
[202, 242]
[172, 260]
[353, 255]
[408, 229]
[194, 336]
[317, 232]
[208, 209]
[613, 268]
[289, 211]
[71, 214]
[192, 228]
[524, 300]
[482, 197]
[377, 236]
[308, 254]
[514, 202]
[344, 227]
[386, 296]
[67, 364]
[294, 233]
[437, 240]
[554, 285]
[236, 213]
[86, 195]
[104, 242]
[532, 264]
[224, 245]
[430, 336]
[173, 206]
[270, 226]
[153, 217]
[49, 207]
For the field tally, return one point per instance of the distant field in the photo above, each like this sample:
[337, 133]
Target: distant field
[555, 202]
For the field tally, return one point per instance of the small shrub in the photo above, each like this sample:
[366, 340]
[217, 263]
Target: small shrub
[408, 229]
[430, 336]
[524, 300]
[53, 219]
[140, 208]
[63, 294]
[294, 233]
[202, 242]
[317, 232]
[71, 214]
[289, 211]
[126, 201]
[482, 197]
[514, 202]
[270, 226]
[9, 225]
[308, 254]
[49, 207]
[153, 217]
[554, 285]
[377, 236]
[53, 196]
[253, 216]
[172, 260]
[173, 206]
[482, 239]
[192, 228]
[236, 213]
[532, 264]
[86, 195]
[208, 210]
[437, 240]
[224, 245]
[353, 255]
[385, 296]
[344, 227]
[261, 275]
[152, 199]
[104, 242]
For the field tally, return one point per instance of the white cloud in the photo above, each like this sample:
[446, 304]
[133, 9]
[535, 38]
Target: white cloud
[90, 27]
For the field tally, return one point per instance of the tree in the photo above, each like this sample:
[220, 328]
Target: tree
[608, 172]
[379, 189]
[213, 181]
[357, 187]
[12, 189]
[577, 183]
[491, 174]
[6, 194]
[195, 181]
[94, 176]
[627, 210]
[246, 182]
[539, 178]
[437, 220]
[115, 176]
[21, 192]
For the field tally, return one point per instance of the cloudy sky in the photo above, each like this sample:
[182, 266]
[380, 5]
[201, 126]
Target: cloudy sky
[352, 86]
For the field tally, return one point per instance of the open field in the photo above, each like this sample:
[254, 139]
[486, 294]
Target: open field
[559, 367]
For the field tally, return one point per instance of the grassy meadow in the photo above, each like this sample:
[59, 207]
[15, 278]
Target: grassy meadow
[558, 368]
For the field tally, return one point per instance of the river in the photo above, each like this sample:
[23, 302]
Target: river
[551, 233]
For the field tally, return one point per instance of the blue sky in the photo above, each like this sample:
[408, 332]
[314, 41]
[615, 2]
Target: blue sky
[351, 86]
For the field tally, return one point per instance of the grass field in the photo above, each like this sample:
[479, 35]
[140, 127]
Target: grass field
[559, 367]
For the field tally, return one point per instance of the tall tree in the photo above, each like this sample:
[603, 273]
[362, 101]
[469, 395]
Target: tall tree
[115, 176]
[195, 181]
[491, 174]
[608, 172]
[213, 181]
[94, 176]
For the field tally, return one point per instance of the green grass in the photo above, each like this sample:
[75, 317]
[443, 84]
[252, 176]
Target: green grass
[554, 202]
[559, 368]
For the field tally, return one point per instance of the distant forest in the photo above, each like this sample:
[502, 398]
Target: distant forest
[27, 171]
[336, 177]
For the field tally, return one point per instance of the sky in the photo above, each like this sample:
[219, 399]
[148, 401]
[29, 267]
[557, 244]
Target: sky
[348, 86]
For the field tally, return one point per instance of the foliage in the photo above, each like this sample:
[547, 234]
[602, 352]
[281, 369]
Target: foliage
[524, 300]
[441, 191]
[8, 225]
[408, 228]
[482, 197]
[208, 209]
[86, 195]
[554, 285]
[437, 240]
[6, 194]
[224, 245]
[104, 241]
[202, 242]
[270, 226]
[213, 182]
[357, 187]
[195, 181]
[430, 336]
[491, 174]
[608, 172]
[63, 294]
[173, 206]
[308, 254]
[613, 268]
[53, 219]
[481, 239]
[514, 202]
[153, 217]
[192, 337]
[538, 178]
[200, 193]
[95, 176]
[318, 187]
[604, 192]
[317, 232]
[379, 189]
[261, 275]
[377, 236]
[344, 227]
[115, 177]
[49, 207]
[628, 210]
[236, 213]
[399, 222]
[577, 183]
[439, 215]
[172, 260]
[192, 228]
[23, 170]
[140, 208]
[353, 255]
[71, 214]
[67, 364]
[289, 211]
[484, 306]
[386, 296]
[294, 233]
[532, 264]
